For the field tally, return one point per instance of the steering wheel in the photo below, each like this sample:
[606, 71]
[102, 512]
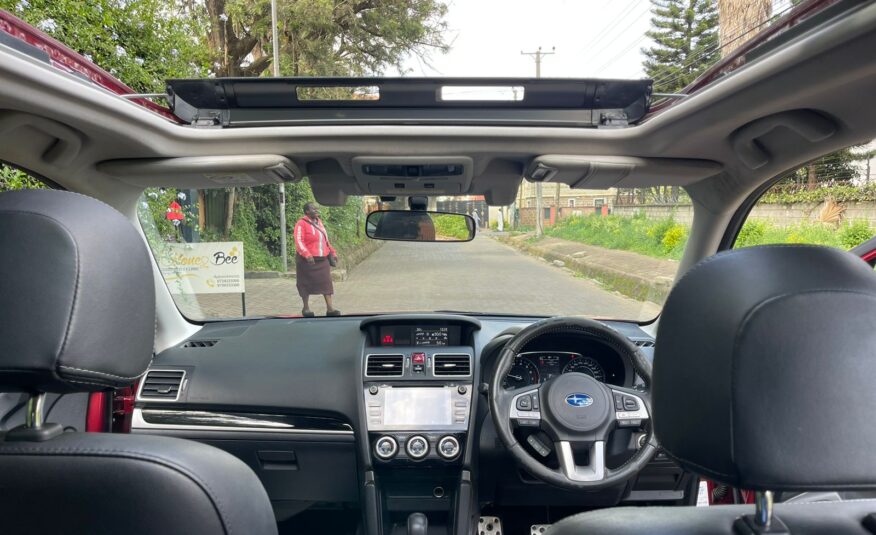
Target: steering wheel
[575, 410]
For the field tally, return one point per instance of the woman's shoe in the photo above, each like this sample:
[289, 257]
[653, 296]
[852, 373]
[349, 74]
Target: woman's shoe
[335, 312]
[307, 313]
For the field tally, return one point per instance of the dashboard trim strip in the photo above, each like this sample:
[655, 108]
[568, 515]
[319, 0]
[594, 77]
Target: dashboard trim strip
[139, 422]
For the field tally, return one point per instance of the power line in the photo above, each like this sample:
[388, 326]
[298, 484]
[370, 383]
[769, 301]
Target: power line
[718, 46]
[539, 217]
[606, 30]
[675, 77]
[538, 54]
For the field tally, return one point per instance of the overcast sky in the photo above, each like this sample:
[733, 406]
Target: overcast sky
[593, 38]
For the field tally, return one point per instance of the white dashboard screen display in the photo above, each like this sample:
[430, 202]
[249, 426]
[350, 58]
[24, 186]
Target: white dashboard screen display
[417, 406]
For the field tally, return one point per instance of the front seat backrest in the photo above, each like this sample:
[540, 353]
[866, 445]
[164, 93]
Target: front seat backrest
[79, 315]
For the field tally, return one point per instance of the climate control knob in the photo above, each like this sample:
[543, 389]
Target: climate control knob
[386, 447]
[448, 447]
[417, 447]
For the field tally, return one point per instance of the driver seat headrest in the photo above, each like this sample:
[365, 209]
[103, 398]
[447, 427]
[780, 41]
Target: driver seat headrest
[763, 369]
[78, 295]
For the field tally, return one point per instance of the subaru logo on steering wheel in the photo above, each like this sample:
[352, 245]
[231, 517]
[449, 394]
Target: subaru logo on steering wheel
[579, 400]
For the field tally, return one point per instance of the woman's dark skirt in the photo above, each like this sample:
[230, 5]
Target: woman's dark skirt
[315, 278]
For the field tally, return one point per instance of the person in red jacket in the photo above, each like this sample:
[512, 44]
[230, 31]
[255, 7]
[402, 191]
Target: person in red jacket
[314, 256]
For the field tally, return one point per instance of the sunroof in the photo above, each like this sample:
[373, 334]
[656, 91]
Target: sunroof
[239, 102]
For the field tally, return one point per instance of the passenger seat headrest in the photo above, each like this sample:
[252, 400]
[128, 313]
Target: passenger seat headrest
[764, 367]
[78, 294]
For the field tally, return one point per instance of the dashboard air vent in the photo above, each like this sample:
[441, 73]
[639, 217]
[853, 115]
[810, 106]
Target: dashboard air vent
[452, 365]
[162, 385]
[644, 343]
[384, 365]
[201, 343]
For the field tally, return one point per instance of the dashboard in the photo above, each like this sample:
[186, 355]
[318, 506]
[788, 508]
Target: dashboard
[308, 403]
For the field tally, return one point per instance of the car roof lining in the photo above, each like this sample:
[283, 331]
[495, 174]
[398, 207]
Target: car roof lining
[827, 70]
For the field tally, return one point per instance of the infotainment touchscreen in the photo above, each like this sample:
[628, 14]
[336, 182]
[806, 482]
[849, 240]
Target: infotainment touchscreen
[417, 406]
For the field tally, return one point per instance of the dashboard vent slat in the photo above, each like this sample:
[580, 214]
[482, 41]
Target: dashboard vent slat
[163, 385]
[201, 343]
[644, 343]
[452, 365]
[384, 365]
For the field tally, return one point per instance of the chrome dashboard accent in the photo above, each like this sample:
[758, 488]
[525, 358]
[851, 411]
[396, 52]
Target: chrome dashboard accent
[405, 364]
[183, 383]
[191, 420]
[451, 376]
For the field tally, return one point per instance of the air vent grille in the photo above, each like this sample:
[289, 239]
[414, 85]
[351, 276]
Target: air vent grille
[162, 385]
[384, 365]
[452, 365]
[201, 343]
[644, 343]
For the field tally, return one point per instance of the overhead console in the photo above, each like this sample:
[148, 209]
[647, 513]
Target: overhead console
[408, 175]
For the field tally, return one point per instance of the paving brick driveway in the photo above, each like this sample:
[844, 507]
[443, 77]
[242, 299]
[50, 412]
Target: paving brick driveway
[482, 275]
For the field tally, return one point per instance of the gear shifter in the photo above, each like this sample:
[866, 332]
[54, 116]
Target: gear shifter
[418, 524]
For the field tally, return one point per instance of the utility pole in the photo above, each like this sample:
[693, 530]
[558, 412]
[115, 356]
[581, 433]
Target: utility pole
[282, 186]
[539, 216]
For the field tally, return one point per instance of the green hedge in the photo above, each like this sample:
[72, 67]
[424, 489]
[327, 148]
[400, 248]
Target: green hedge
[839, 193]
[665, 238]
[453, 226]
[660, 238]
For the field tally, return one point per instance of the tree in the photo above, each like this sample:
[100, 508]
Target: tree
[740, 20]
[685, 36]
[141, 42]
[323, 37]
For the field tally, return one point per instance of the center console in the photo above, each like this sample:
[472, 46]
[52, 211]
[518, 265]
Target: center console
[417, 393]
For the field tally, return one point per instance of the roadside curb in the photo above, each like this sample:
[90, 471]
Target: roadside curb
[654, 289]
[339, 274]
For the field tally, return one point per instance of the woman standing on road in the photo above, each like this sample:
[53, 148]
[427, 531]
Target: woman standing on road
[313, 261]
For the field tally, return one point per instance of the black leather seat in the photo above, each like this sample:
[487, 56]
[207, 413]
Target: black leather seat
[78, 315]
[763, 380]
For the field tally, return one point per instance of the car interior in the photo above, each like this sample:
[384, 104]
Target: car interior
[755, 374]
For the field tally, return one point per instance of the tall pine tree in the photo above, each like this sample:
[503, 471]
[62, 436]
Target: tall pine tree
[685, 36]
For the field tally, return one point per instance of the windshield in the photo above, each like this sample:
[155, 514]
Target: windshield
[597, 253]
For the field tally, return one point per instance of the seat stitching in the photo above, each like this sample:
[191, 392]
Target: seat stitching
[100, 373]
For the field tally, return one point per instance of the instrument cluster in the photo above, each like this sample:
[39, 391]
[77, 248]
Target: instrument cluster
[537, 367]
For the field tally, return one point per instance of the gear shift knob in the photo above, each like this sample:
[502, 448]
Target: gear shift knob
[418, 524]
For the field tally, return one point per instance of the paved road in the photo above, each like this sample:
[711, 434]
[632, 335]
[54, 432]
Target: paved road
[482, 275]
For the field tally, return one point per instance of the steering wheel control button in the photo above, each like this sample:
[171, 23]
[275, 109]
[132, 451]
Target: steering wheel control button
[385, 448]
[417, 447]
[538, 445]
[448, 447]
[535, 401]
[524, 403]
[618, 402]
[629, 423]
[528, 422]
[630, 404]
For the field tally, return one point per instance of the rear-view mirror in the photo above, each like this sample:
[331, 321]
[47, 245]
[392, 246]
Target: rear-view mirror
[417, 225]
